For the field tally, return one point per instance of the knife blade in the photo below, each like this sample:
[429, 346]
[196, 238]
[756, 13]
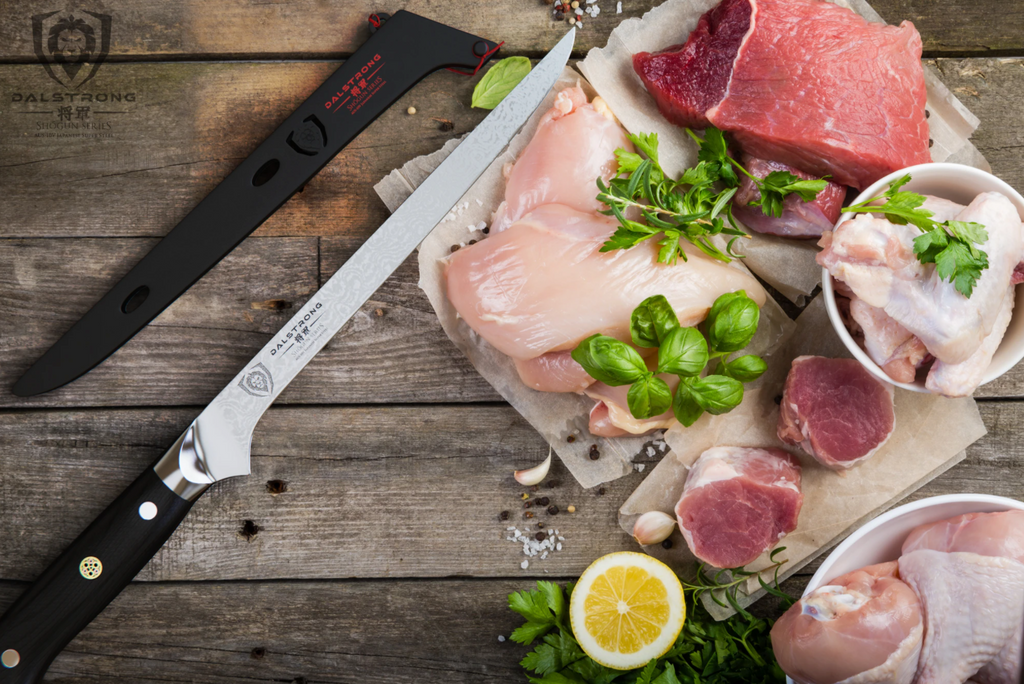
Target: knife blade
[401, 52]
[94, 569]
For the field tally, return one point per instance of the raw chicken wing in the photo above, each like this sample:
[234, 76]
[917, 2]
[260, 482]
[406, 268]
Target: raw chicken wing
[862, 628]
[895, 349]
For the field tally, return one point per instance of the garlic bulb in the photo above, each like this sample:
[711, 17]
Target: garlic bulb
[653, 527]
[536, 474]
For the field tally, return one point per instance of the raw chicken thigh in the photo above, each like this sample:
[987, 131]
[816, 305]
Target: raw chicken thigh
[986, 534]
[973, 608]
[574, 144]
[895, 349]
[543, 285]
[835, 410]
[737, 503]
[864, 627]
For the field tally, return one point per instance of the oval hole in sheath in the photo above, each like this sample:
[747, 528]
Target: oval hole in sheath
[135, 299]
[266, 172]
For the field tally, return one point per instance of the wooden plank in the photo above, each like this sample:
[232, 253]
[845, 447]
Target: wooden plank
[189, 126]
[372, 492]
[149, 29]
[392, 351]
[182, 136]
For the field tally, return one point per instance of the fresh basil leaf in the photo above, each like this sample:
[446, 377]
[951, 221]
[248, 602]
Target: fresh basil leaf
[685, 406]
[652, 321]
[499, 81]
[745, 368]
[717, 394]
[610, 361]
[732, 322]
[648, 397]
[683, 352]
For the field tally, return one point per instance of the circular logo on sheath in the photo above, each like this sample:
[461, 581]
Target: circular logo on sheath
[258, 381]
[90, 567]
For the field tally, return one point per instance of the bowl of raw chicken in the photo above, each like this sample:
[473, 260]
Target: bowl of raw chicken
[930, 591]
[904, 323]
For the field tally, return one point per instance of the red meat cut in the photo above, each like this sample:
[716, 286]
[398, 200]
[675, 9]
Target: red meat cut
[835, 410]
[803, 82]
[799, 219]
[738, 502]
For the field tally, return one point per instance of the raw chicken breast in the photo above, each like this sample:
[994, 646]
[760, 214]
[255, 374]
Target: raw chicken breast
[574, 144]
[875, 259]
[737, 503]
[804, 82]
[862, 628]
[961, 379]
[835, 410]
[614, 401]
[799, 219]
[895, 349]
[543, 285]
[986, 534]
[553, 372]
[973, 606]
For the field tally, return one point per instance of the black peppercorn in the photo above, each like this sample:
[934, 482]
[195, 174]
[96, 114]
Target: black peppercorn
[542, 501]
[553, 509]
[600, 491]
[570, 439]
[667, 544]
[594, 452]
[540, 536]
[553, 484]
[503, 515]
[455, 248]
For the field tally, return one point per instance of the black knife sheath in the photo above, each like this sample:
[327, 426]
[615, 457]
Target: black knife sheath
[403, 49]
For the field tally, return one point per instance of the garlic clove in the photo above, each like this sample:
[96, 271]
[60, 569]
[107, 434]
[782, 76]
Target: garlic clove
[536, 474]
[653, 527]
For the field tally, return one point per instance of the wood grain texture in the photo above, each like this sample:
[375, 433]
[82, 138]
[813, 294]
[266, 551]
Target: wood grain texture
[371, 492]
[150, 29]
[393, 350]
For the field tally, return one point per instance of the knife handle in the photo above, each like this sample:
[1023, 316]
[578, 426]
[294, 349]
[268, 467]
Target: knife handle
[90, 573]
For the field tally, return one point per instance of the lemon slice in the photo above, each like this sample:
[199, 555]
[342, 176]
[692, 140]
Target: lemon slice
[626, 609]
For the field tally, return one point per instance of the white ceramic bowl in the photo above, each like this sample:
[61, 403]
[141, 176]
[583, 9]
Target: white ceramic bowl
[882, 539]
[960, 184]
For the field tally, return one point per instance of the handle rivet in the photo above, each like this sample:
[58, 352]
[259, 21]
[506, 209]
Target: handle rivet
[90, 567]
[10, 658]
[147, 511]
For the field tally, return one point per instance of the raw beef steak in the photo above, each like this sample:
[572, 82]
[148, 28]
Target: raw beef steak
[737, 503]
[807, 83]
[835, 410]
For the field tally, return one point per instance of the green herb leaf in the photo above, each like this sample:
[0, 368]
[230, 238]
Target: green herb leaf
[668, 676]
[610, 361]
[777, 185]
[647, 674]
[717, 394]
[499, 81]
[732, 322]
[744, 368]
[652, 321]
[683, 352]
[558, 651]
[555, 598]
[648, 397]
[628, 161]
[684, 405]
[646, 143]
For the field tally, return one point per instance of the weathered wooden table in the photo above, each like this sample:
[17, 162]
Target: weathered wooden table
[366, 546]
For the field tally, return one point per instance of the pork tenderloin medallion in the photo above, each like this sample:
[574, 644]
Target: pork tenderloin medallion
[835, 410]
[739, 502]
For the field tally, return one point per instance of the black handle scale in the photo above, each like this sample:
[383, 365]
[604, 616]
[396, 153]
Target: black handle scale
[86, 577]
[399, 54]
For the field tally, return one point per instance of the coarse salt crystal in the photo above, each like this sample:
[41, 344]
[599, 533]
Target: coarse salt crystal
[544, 556]
[558, 546]
[639, 467]
[479, 203]
[651, 452]
[501, 639]
[525, 564]
[618, 8]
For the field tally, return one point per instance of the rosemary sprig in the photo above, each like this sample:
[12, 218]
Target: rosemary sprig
[725, 583]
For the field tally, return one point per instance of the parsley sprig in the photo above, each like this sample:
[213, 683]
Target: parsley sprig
[730, 651]
[694, 208]
[953, 246]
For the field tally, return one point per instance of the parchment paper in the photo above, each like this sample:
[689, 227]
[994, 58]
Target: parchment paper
[788, 265]
[555, 416]
[930, 436]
